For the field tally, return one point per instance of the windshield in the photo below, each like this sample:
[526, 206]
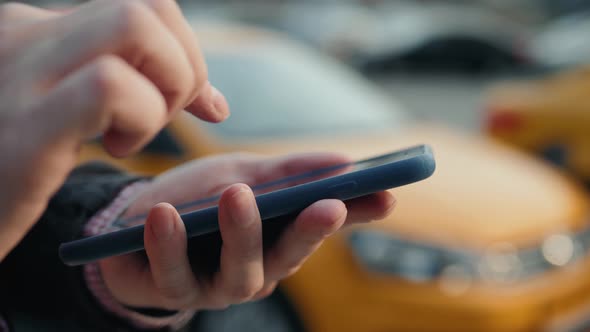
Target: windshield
[281, 91]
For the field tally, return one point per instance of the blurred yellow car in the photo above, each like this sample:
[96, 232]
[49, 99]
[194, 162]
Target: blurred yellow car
[494, 241]
[549, 117]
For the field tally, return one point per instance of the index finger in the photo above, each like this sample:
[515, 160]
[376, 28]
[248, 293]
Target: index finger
[204, 101]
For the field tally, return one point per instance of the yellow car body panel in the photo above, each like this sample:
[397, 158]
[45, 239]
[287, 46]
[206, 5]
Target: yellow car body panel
[553, 111]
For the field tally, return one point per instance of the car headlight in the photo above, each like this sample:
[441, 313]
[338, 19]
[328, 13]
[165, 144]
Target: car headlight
[414, 261]
[501, 262]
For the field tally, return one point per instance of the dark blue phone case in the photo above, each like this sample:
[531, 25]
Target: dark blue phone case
[406, 166]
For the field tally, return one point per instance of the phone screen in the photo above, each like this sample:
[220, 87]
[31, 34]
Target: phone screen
[327, 172]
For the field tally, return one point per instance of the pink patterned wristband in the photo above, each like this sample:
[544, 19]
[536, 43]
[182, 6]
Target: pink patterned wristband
[103, 222]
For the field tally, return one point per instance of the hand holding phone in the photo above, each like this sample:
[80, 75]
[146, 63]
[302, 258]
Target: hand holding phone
[343, 181]
[230, 266]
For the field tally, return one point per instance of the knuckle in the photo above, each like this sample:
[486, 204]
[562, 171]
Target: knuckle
[249, 248]
[137, 21]
[177, 93]
[200, 80]
[170, 10]
[245, 290]
[189, 85]
[133, 18]
[175, 298]
[106, 75]
[183, 88]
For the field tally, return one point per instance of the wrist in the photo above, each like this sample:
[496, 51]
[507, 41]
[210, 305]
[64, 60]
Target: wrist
[106, 221]
[137, 317]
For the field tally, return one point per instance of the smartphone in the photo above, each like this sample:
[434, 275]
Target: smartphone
[283, 197]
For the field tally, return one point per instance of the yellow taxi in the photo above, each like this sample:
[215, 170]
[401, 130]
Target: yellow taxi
[549, 117]
[494, 241]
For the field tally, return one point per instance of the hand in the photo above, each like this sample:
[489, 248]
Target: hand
[117, 68]
[164, 277]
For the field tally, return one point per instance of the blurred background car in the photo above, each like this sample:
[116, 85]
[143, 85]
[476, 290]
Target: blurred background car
[548, 117]
[445, 36]
[469, 36]
[494, 241]
[563, 42]
[393, 34]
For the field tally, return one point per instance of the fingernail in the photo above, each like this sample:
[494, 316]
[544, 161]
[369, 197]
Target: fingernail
[163, 225]
[243, 210]
[219, 104]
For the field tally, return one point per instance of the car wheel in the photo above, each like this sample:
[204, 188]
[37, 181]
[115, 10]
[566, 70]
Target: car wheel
[272, 314]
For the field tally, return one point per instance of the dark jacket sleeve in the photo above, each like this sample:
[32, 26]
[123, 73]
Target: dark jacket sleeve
[37, 291]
